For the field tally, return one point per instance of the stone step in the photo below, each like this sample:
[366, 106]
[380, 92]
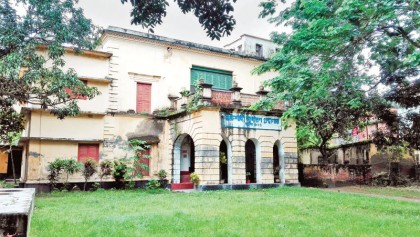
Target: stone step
[182, 186]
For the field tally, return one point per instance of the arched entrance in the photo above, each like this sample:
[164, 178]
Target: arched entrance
[278, 162]
[184, 159]
[250, 159]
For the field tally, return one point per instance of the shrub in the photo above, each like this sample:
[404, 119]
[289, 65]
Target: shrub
[70, 167]
[194, 178]
[162, 174]
[55, 168]
[120, 170]
[153, 184]
[89, 169]
[105, 168]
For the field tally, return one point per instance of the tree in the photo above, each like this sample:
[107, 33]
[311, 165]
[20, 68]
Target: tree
[214, 15]
[26, 76]
[326, 64]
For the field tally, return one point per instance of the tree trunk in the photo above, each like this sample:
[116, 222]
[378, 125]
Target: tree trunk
[13, 166]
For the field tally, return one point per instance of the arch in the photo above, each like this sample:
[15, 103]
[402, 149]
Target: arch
[253, 160]
[279, 148]
[228, 151]
[183, 158]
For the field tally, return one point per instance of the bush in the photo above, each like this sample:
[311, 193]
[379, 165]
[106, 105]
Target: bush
[194, 178]
[89, 169]
[162, 174]
[120, 170]
[70, 167]
[105, 168]
[153, 184]
[55, 168]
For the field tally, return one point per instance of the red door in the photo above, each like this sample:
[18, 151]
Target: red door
[144, 95]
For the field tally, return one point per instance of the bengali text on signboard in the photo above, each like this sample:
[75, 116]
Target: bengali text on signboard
[248, 121]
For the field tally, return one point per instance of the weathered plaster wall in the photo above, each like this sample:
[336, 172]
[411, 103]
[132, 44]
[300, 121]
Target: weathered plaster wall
[168, 71]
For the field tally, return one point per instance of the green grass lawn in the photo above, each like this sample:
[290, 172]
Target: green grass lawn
[273, 212]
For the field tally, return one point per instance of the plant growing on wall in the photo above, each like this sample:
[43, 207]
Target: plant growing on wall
[136, 167]
[70, 167]
[195, 103]
[89, 169]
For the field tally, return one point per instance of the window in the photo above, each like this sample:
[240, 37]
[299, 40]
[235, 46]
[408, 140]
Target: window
[259, 50]
[143, 166]
[73, 96]
[221, 80]
[239, 47]
[144, 97]
[88, 151]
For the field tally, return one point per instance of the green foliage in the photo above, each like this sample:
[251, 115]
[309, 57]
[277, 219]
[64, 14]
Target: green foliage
[194, 103]
[135, 167]
[195, 178]
[44, 25]
[153, 184]
[89, 169]
[106, 167]
[214, 16]
[71, 167]
[162, 174]
[55, 169]
[119, 172]
[325, 64]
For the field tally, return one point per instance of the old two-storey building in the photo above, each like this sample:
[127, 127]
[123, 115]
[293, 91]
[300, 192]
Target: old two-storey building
[143, 80]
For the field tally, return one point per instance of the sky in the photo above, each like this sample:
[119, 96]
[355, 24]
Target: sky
[177, 25]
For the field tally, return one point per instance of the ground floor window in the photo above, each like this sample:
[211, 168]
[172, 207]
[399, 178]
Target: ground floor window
[88, 151]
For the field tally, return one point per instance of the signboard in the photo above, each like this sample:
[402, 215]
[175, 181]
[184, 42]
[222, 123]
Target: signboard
[248, 121]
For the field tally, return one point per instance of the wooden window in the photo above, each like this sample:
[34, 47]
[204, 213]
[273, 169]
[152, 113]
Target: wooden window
[73, 96]
[88, 151]
[144, 96]
[221, 80]
[143, 166]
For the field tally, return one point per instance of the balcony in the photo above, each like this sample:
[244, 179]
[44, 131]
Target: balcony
[217, 98]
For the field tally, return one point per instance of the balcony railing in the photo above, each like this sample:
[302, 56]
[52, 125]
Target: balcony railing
[234, 98]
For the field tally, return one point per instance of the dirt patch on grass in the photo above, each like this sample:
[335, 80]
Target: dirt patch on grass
[411, 194]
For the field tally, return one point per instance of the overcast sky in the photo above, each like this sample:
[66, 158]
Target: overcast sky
[177, 25]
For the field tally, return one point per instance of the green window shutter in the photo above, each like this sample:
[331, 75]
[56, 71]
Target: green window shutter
[221, 80]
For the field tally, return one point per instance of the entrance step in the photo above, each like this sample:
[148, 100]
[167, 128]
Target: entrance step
[182, 186]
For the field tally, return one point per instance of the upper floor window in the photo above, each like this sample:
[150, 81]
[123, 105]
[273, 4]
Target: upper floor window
[144, 97]
[221, 80]
[259, 50]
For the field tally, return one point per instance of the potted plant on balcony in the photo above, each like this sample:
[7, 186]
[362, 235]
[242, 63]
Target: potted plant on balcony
[248, 177]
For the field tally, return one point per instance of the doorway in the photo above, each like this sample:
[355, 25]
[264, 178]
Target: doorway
[250, 159]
